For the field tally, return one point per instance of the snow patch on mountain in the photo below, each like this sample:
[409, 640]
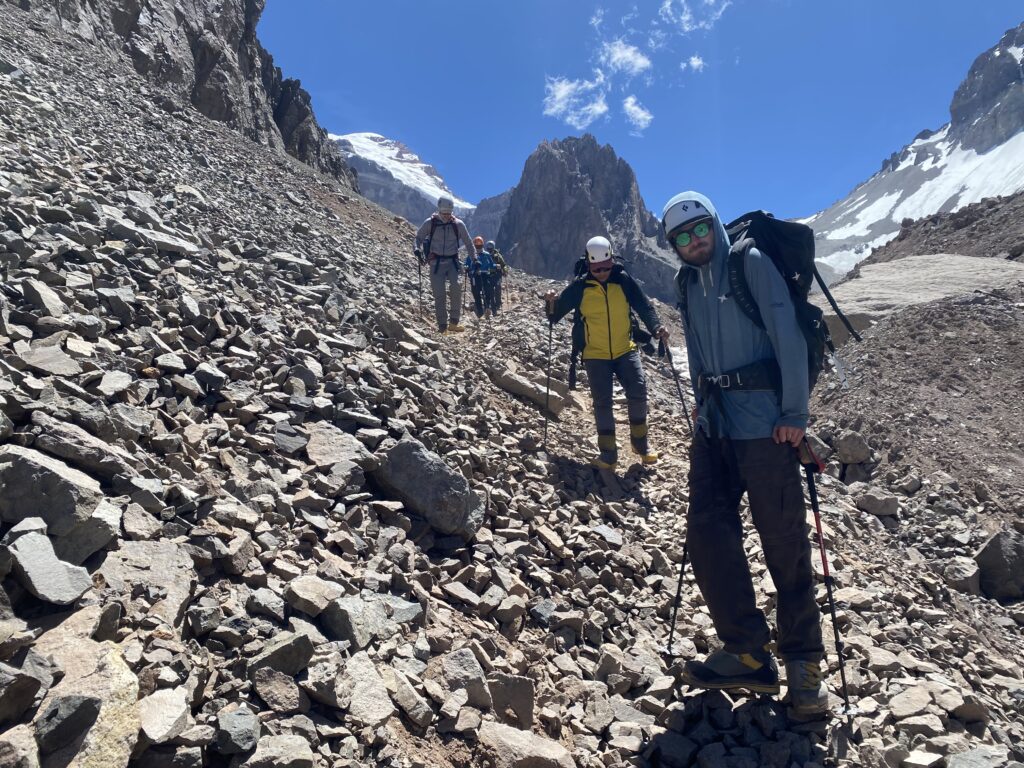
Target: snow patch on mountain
[935, 174]
[402, 163]
[978, 154]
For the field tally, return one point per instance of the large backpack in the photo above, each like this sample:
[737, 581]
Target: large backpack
[435, 222]
[790, 246]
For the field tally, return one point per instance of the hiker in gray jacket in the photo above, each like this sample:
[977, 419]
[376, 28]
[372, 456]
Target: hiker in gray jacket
[437, 246]
[751, 387]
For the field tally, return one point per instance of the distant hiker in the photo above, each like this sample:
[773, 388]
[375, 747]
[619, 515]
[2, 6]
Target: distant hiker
[437, 245]
[481, 268]
[751, 387]
[603, 297]
[499, 278]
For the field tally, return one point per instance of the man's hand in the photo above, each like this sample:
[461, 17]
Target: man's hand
[661, 334]
[791, 435]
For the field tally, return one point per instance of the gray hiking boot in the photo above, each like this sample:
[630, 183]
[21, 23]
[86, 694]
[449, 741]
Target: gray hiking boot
[808, 696]
[722, 670]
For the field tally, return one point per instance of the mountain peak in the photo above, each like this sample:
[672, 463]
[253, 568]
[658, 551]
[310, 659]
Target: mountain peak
[394, 176]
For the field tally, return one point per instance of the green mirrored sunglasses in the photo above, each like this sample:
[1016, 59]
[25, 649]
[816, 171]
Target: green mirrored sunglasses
[684, 238]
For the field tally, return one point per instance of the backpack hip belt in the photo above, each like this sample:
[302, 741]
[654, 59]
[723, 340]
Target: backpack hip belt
[437, 259]
[762, 375]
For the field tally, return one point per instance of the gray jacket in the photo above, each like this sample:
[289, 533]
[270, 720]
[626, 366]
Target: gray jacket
[720, 338]
[445, 241]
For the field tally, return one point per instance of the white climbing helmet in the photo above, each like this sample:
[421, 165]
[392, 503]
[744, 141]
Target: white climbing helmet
[598, 250]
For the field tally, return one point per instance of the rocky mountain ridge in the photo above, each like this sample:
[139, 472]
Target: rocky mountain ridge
[289, 529]
[571, 190]
[205, 55]
[978, 154]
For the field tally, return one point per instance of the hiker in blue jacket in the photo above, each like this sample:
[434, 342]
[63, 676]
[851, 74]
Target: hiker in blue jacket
[482, 273]
[751, 387]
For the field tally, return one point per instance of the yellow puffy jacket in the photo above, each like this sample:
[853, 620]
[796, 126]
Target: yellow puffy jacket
[604, 313]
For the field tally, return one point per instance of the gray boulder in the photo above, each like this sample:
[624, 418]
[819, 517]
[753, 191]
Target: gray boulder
[78, 447]
[29, 477]
[1001, 560]
[43, 574]
[429, 487]
[369, 702]
[513, 748]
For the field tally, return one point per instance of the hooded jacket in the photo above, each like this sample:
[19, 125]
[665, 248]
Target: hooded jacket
[720, 338]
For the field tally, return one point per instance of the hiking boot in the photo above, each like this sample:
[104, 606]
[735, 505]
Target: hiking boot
[600, 463]
[456, 328]
[807, 693]
[443, 330]
[722, 670]
[648, 457]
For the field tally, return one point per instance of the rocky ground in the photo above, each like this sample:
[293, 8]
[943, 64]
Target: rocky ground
[255, 514]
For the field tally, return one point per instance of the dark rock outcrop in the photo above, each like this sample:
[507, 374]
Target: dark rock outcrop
[485, 219]
[988, 107]
[206, 55]
[570, 191]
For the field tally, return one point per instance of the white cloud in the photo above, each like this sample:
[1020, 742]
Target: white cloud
[695, 62]
[638, 116]
[686, 18]
[597, 19]
[657, 39]
[576, 102]
[620, 56]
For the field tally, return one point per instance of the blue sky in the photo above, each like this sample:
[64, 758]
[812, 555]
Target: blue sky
[777, 104]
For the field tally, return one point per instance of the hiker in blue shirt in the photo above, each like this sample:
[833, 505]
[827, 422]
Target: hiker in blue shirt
[501, 269]
[751, 387]
[482, 275]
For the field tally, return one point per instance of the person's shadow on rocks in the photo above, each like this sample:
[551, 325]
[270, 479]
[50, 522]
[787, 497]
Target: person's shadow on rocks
[711, 729]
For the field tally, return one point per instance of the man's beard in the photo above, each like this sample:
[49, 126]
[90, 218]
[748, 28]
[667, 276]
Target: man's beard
[700, 258]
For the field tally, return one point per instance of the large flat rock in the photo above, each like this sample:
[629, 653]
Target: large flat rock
[153, 564]
[37, 485]
[513, 748]
[883, 289]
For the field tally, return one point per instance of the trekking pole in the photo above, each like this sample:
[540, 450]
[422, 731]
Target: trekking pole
[547, 386]
[663, 350]
[812, 464]
[679, 596]
[419, 287]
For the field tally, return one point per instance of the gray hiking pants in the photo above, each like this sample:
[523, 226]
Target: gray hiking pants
[630, 373]
[720, 471]
[444, 273]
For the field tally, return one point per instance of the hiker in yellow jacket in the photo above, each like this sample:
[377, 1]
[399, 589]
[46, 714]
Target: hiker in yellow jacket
[603, 296]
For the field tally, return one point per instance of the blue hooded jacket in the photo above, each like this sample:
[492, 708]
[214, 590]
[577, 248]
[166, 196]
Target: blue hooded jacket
[720, 338]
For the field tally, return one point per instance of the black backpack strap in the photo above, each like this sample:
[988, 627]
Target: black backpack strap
[684, 302]
[835, 308]
[738, 284]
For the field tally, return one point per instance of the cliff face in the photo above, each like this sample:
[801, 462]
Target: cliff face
[570, 191]
[988, 107]
[205, 53]
[485, 219]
